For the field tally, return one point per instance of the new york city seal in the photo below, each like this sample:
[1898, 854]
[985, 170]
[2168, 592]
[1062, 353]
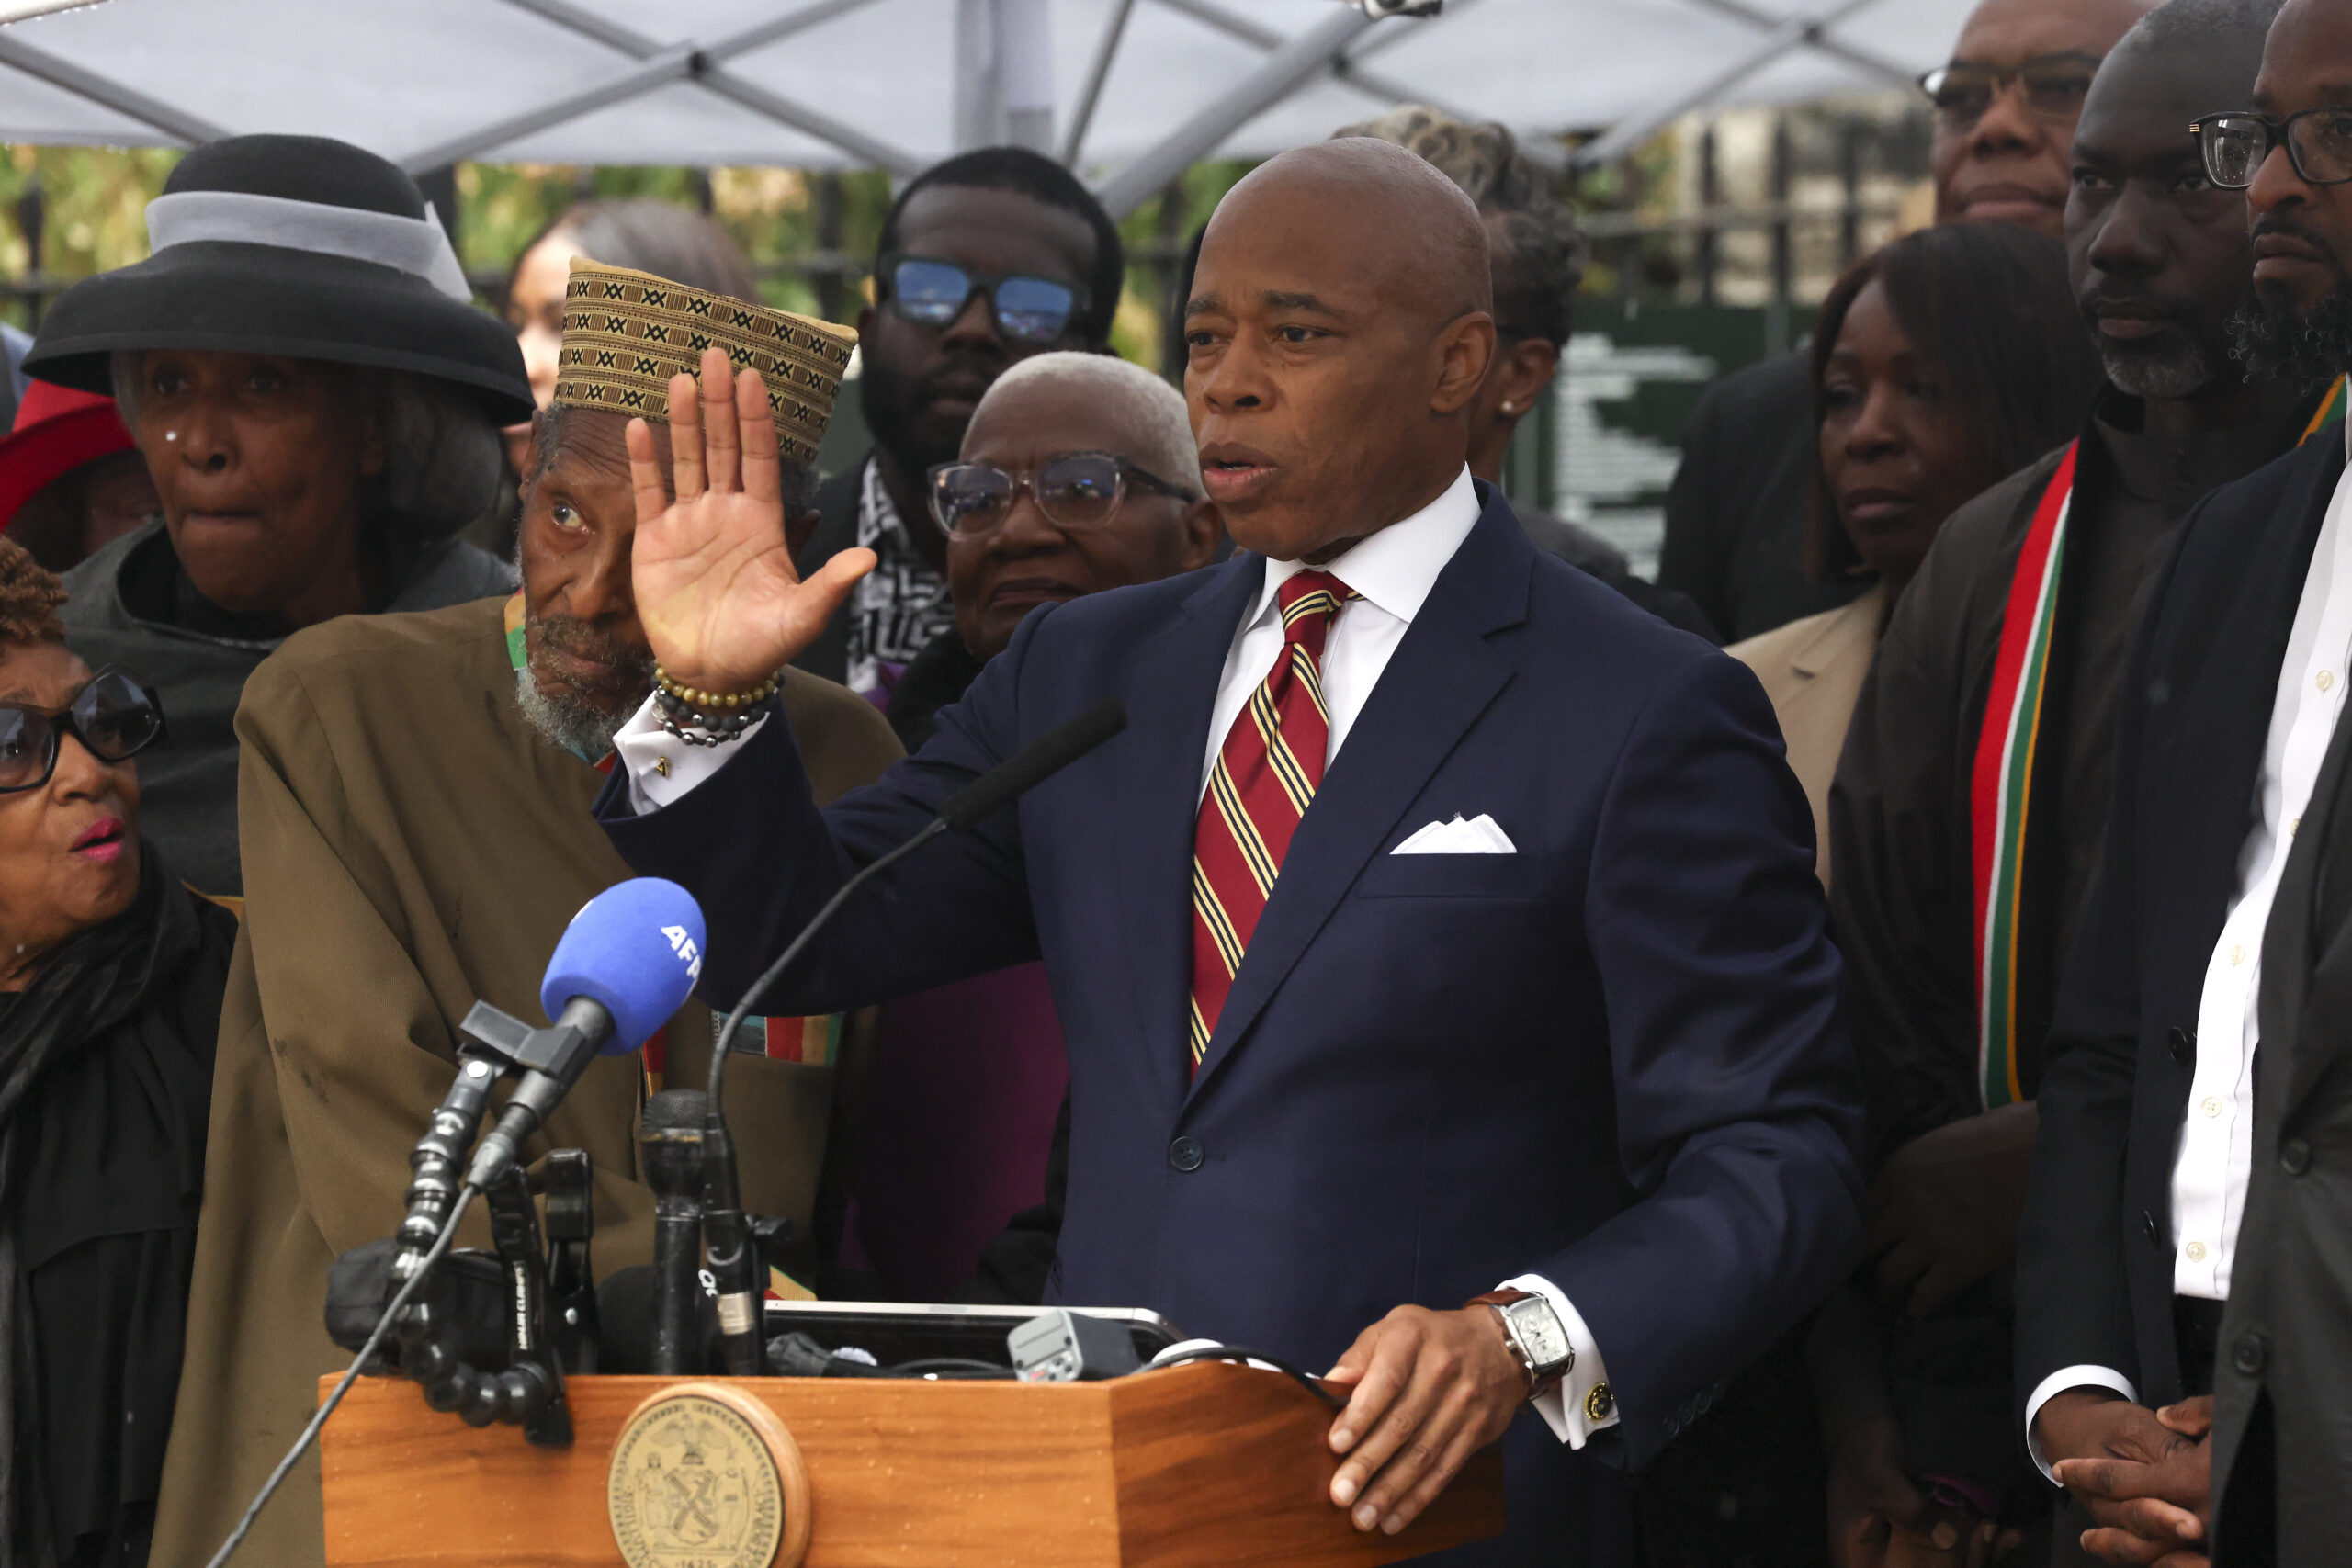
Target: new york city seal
[704, 1476]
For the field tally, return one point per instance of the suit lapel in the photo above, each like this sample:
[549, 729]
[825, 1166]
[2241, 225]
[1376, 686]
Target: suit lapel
[1159, 793]
[1441, 677]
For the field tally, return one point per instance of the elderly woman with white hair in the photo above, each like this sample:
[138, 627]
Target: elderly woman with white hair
[317, 400]
[1078, 474]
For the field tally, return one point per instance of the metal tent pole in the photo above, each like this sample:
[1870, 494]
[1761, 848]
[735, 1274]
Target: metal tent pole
[188, 130]
[1806, 28]
[1105, 52]
[660, 63]
[1308, 55]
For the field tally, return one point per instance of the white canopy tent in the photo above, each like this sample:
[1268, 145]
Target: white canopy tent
[1130, 92]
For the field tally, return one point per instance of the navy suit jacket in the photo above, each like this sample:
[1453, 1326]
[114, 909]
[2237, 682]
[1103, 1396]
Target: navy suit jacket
[1612, 1058]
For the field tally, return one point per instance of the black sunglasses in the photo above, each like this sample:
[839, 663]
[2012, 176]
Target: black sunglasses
[1075, 491]
[2054, 84]
[932, 293]
[2319, 144]
[115, 716]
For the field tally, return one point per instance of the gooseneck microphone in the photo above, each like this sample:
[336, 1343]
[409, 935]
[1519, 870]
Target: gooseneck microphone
[732, 1257]
[626, 964]
[670, 1154]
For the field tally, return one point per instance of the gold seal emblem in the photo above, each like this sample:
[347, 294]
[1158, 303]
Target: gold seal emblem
[704, 1476]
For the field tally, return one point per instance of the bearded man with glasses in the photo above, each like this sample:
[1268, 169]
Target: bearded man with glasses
[2005, 109]
[983, 261]
[2188, 1201]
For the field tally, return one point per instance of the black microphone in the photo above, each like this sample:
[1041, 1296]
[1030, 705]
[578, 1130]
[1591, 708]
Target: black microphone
[672, 1145]
[733, 1257]
[628, 1302]
[1032, 764]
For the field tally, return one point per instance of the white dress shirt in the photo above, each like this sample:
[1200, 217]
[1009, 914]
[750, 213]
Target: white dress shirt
[2216, 1150]
[1393, 571]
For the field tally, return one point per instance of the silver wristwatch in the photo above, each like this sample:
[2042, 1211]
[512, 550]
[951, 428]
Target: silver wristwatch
[1537, 1338]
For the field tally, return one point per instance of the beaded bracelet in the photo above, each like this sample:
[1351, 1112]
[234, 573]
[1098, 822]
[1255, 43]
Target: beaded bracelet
[710, 718]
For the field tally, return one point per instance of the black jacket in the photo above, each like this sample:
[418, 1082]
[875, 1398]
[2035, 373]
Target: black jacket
[2285, 1343]
[1735, 515]
[837, 501]
[2095, 1252]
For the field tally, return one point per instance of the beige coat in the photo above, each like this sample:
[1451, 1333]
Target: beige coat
[411, 844]
[1812, 670]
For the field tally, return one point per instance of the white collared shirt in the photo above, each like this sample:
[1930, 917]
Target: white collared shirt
[2215, 1154]
[1393, 571]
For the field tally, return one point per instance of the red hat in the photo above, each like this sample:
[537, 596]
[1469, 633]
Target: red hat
[57, 429]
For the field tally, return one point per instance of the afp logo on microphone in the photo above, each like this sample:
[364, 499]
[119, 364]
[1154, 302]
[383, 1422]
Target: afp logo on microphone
[683, 943]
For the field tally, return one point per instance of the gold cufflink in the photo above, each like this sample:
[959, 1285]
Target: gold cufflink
[662, 766]
[1598, 1403]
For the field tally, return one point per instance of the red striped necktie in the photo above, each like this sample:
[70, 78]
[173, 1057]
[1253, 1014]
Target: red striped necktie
[1265, 778]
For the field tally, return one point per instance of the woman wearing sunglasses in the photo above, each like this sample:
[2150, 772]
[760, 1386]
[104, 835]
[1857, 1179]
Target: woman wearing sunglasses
[111, 976]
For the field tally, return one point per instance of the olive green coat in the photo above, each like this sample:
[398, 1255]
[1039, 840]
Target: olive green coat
[411, 844]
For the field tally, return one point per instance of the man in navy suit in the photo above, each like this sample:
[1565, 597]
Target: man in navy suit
[1441, 931]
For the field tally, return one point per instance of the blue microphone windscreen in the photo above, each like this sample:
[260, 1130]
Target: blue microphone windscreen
[636, 949]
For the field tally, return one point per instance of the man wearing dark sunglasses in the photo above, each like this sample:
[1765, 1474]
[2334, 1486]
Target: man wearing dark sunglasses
[983, 261]
[2004, 115]
[2186, 1228]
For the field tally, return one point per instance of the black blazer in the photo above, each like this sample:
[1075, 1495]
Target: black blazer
[2095, 1251]
[1734, 515]
[837, 501]
[2285, 1335]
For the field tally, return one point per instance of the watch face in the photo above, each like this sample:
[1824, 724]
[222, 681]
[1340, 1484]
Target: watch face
[1539, 1333]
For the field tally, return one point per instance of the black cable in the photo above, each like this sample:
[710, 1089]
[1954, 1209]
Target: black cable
[466, 1195]
[1243, 1353]
[949, 1367]
[725, 1047]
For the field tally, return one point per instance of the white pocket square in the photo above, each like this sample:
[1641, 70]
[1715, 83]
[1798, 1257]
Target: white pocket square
[1479, 836]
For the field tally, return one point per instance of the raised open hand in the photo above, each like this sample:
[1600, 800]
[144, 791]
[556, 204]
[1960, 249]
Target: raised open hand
[721, 606]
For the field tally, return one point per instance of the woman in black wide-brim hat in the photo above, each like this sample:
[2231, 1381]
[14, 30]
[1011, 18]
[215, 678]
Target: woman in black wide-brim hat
[318, 401]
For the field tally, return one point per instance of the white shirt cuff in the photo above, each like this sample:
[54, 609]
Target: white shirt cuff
[2059, 1382]
[661, 767]
[1568, 1409]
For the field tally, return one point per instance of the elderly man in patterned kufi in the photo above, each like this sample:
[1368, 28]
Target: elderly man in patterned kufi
[414, 808]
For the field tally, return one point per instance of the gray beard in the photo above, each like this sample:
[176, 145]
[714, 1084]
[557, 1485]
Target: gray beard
[2163, 377]
[584, 731]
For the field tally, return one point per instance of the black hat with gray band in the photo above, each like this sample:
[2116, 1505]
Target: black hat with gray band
[293, 246]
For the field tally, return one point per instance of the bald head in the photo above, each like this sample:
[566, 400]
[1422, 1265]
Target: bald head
[1340, 327]
[1421, 238]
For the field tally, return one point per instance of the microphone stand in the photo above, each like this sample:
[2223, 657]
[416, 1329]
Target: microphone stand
[529, 1392]
[731, 1257]
[729, 1250]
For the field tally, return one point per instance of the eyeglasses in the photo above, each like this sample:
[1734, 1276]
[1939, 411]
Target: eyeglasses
[933, 293]
[2054, 84]
[2319, 144]
[1075, 491]
[115, 718]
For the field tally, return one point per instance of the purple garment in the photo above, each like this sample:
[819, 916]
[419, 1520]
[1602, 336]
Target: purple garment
[960, 1104]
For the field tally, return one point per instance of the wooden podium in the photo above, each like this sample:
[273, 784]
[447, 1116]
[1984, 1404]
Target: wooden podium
[1212, 1463]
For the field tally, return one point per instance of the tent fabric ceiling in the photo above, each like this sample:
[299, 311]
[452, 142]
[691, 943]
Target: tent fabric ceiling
[405, 76]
